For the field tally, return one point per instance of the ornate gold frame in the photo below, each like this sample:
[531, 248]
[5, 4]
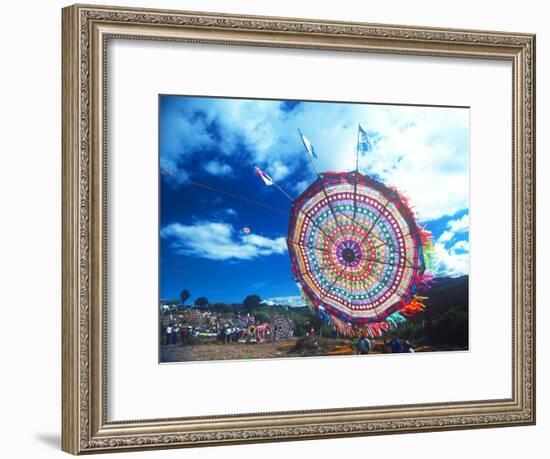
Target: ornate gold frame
[86, 30]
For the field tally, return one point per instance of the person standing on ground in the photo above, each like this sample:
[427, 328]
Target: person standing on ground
[396, 345]
[363, 345]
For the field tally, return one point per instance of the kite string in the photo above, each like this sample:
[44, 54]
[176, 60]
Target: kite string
[236, 196]
[227, 193]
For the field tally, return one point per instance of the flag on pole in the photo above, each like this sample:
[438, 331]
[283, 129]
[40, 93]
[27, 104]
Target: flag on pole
[364, 144]
[308, 145]
[266, 178]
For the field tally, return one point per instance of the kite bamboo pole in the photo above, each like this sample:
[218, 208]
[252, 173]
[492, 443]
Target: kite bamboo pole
[301, 244]
[355, 184]
[283, 191]
[322, 185]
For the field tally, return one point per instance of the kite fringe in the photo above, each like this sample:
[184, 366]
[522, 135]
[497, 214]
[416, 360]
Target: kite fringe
[428, 252]
[373, 329]
[395, 319]
[406, 201]
[309, 303]
[417, 304]
[425, 236]
[426, 280]
[429, 258]
[426, 242]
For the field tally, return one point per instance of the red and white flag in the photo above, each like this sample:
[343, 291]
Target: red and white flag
[266, 178]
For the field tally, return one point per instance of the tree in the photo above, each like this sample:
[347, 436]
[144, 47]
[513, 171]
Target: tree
[201, 302]
[301, 322]
[184, 296]
[251, 302]
[326, 331]
[261, 317]
[218, 307]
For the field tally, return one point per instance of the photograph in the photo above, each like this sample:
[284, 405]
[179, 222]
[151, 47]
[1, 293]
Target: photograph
[301, 228]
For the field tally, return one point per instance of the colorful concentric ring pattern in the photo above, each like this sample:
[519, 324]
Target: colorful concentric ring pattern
[282, 327]
[355, 247]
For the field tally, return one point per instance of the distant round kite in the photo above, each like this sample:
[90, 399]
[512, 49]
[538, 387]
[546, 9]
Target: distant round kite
[282, 327]
[357, 252]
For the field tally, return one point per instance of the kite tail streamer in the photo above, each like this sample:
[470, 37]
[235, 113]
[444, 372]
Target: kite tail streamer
[426, 242]
[342, 327]
[323, 316]
[395, 319]
[414, 306]
[376, 329]
[428, 251]
[426, 280]
[404, 199]
[309, 303]
[425, 237]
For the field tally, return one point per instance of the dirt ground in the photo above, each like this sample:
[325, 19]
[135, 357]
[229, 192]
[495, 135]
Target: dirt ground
[277, 349]
[233, 351]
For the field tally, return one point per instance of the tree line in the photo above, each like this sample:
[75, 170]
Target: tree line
[250, 303]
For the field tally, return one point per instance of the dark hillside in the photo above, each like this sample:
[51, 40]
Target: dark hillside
[444, 322]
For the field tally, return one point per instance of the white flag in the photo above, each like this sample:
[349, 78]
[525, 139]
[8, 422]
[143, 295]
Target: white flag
[307, 144]
[266, 178]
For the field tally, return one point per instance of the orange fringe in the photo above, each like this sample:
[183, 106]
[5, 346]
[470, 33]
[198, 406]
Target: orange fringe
[416, 305]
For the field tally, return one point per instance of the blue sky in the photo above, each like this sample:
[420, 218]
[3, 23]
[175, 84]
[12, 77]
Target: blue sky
[225, 248]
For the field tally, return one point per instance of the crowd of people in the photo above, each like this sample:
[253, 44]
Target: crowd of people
[229, 328]
[208, 325]
[392, 344]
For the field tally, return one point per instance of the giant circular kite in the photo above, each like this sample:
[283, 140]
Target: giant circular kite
[282, 327]
[357, 252]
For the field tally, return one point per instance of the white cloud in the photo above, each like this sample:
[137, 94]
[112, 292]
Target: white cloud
[291, 301]
[454, 227]
[216, 168]
[219, 241]
[300, 186]
[180, 137]
[278, 171]
[461, 225]
[460, 246]
[422, 151]
[451, 264]
[453, 260]
[445, 236]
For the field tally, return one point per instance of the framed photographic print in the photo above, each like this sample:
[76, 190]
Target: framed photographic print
[294, 262]
[311, 229]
